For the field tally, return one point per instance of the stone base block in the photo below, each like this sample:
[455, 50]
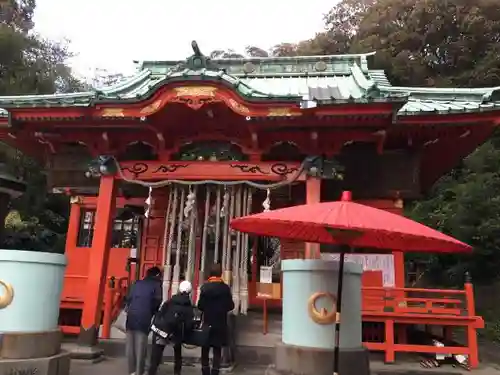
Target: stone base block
[92, 354]
[20, 345]
[56, 365]
[297, 360]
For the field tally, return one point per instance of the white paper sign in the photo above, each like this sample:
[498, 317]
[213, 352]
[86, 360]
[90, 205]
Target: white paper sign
[266, 274]
[370, 262]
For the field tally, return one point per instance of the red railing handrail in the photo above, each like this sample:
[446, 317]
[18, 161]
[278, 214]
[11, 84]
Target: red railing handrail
[113, 297]
[417, 290]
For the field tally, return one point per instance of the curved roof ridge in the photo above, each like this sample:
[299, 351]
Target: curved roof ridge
[441, 90]
[361, 79]
[126, 83]
[264, 59]
[69, 95]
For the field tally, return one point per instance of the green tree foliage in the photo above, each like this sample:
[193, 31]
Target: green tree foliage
[341, 25]
[225, 54]
[448, 43]
[466, 205]
[17, 14]
[434, 42]
[30, 64]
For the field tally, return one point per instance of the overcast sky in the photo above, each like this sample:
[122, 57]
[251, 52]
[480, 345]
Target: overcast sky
[110, 34]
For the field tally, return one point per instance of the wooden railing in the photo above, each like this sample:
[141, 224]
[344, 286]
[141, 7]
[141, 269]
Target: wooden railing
[114, 295]
[396, 308]
[116, 291]
[415, 301]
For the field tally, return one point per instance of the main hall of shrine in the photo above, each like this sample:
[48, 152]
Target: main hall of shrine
[156, 165]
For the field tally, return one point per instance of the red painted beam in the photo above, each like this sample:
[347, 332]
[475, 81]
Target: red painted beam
[206, 170]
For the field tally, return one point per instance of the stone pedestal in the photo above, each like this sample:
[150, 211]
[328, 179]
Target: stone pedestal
[308, 344]
[292, 360]
[30, 345]
[30, 339]
[55, 365]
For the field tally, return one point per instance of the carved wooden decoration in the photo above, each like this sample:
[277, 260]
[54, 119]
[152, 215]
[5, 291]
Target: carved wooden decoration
[196, 97]
[282, 112]
[201, 170]
[113, 112]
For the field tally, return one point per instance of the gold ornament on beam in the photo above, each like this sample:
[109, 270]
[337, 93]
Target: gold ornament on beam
[152, 108]
[112, 112]
[282, 112]
[238, 108]
[196, 91]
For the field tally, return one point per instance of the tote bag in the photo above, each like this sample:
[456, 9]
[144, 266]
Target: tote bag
[199, 335]
[121, 321]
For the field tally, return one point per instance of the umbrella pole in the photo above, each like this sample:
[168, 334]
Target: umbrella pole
[340, 282]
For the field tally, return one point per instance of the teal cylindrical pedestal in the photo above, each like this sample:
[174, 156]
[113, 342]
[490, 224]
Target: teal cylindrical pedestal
[36, 279]
[303, 278]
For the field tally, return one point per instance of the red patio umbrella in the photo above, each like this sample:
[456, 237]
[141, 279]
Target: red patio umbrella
[351, 225]
[348, 223]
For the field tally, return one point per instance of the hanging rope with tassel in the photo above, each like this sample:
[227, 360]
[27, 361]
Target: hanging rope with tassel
[204, 238]
[241, 239]
[177, 266]
[244, 261]
[228, 272]
[172, 227]
[236, 260]
[166, 255]
[225, 213]
[190, 212]
[217, 224]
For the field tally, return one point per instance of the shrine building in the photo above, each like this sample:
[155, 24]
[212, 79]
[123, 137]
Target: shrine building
[156, 165]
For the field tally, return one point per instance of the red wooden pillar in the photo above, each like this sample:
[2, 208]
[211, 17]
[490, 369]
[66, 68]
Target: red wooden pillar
[399, 269]
[471, 329]
[73, 226]
[99, 254]
[313, 195]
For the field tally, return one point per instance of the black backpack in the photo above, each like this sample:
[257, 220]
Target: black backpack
[169, 321]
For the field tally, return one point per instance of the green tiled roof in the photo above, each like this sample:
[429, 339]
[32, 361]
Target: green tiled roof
[324, 79]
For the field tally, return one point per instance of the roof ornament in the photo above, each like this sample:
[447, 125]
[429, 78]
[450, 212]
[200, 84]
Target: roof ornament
[196, 62]
[196, 49]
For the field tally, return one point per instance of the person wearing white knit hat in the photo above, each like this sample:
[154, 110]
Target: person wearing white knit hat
[185, 287]
[174, 319]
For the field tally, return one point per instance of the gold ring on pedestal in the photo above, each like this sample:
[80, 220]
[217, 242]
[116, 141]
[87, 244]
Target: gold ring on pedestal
[7, 296]
[322, 316]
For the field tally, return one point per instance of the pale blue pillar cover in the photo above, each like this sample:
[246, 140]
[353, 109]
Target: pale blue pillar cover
[37, 280]
[303, 278]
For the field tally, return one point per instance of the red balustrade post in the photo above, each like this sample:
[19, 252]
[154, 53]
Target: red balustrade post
[471, 330]
[390, 354]
[108, 308]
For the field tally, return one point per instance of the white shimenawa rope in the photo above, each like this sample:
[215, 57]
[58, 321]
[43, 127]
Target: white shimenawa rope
[267, 202]
[177, 267]
[204, 239]
[166, 273]
[217, 224]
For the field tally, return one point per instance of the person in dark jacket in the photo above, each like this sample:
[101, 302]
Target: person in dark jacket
[215, 303]
[175, 318]
[142, 303]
